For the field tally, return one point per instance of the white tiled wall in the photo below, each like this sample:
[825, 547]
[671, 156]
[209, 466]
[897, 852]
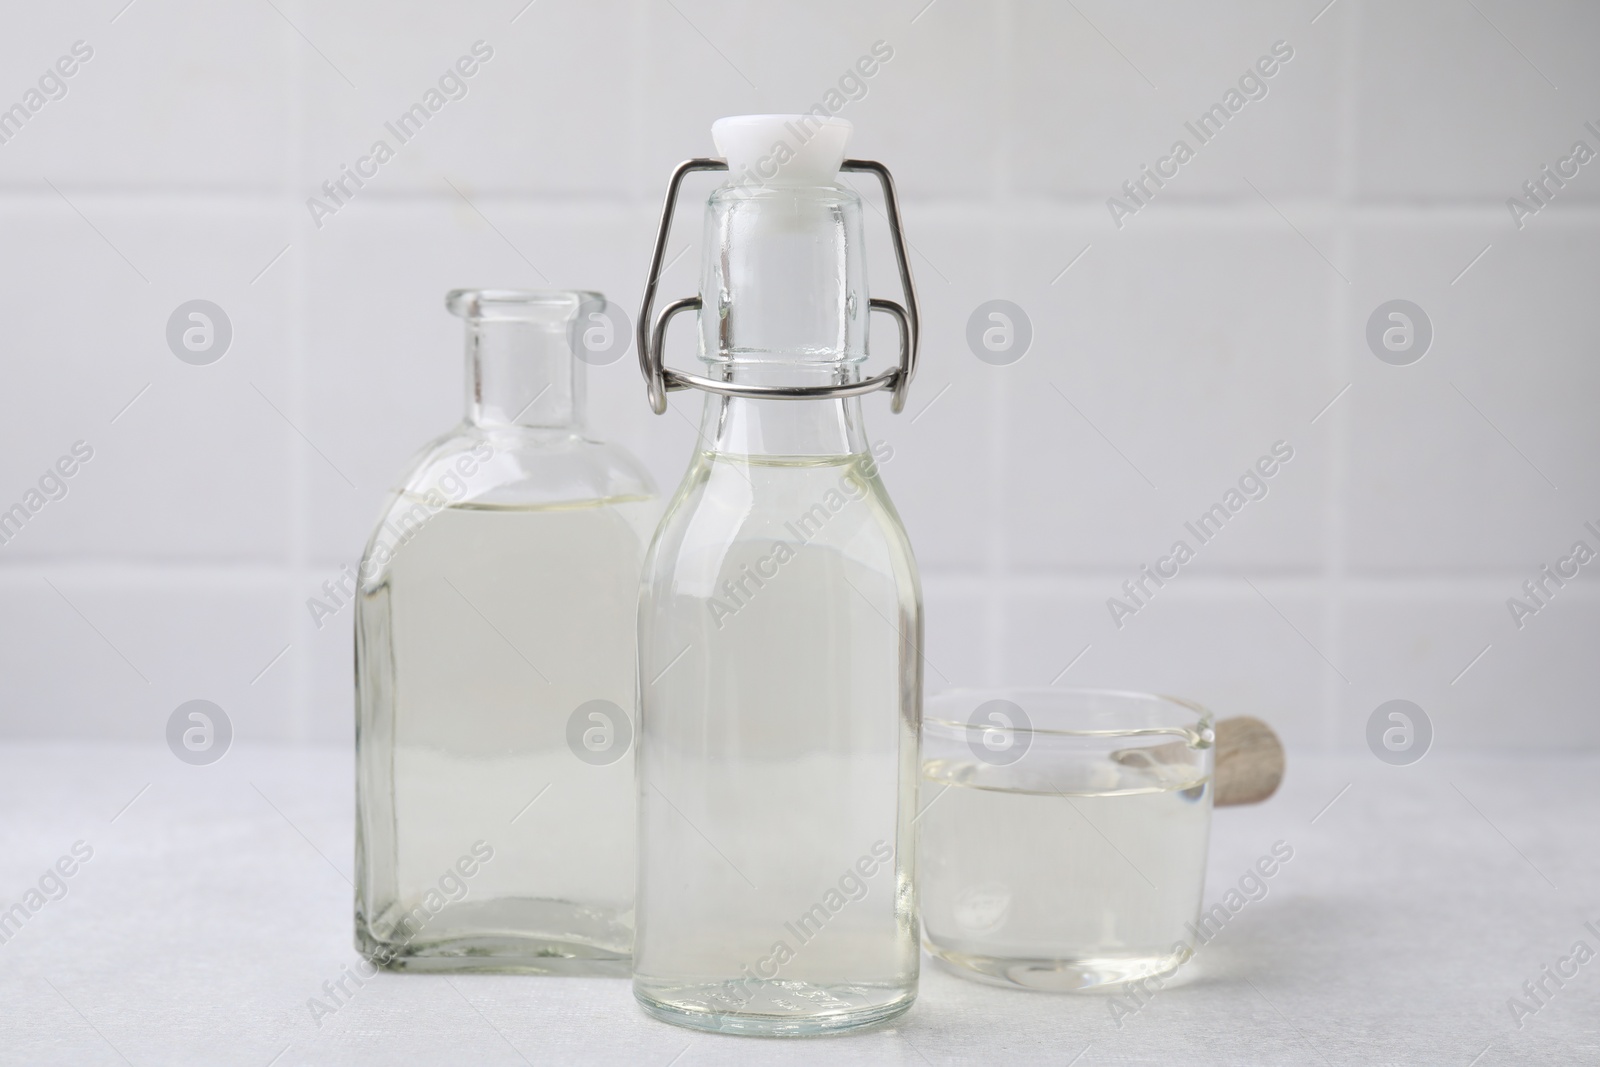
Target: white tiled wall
[1222, 317]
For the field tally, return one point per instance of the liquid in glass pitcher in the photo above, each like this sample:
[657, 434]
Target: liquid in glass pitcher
[780, 621]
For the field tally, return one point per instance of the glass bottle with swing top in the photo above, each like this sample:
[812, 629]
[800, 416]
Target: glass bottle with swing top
[780, 619]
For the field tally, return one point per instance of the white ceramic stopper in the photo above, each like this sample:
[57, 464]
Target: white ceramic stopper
[781, 149]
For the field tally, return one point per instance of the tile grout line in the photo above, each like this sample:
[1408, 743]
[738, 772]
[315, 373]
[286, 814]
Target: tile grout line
[1180, 215]
[1457, 586]
[1335, 694]
[645, 185]
[297, 715]
[997, 606]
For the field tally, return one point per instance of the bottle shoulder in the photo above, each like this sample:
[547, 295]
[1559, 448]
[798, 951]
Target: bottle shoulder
[519, 467]
[826, 502]
[509, 479]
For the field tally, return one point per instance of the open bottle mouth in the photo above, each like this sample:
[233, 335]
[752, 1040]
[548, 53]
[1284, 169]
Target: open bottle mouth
[522, 347]
[519, 305]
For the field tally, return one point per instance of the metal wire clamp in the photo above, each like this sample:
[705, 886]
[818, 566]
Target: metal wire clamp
[661, 379]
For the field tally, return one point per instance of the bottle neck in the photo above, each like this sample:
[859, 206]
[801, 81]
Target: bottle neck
[783, 303]
[523, 374]
[735, 426]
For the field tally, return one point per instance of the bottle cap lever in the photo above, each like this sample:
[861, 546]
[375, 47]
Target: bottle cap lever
[661, 379]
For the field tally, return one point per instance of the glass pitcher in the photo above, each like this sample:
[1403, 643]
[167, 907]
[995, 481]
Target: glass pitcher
[495, 669]
[780, 621]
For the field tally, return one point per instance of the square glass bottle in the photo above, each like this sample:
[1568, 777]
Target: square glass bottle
[495, 670]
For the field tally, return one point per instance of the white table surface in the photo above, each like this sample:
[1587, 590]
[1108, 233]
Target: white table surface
[216, 905]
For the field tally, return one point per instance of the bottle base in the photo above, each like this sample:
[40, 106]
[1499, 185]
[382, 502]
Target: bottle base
[502, 935]
[773, 1009]
[556, 966]
[1049, 975]
[498, 955]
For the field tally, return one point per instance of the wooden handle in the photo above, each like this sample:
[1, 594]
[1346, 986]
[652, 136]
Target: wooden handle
[1249, 762]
